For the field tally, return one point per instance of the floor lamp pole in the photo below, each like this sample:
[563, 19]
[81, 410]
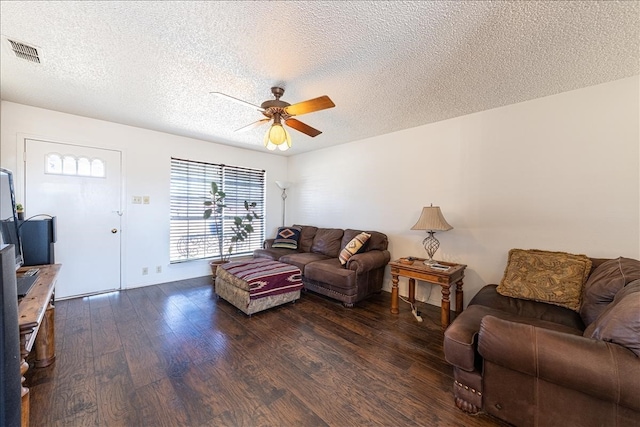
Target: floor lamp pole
[283, 185]
[284, 204]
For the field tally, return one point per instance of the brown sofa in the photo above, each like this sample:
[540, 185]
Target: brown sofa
[536, 364]
[322, 272]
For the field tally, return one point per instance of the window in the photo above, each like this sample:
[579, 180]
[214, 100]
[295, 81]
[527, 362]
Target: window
[191, 236]
[69, 165]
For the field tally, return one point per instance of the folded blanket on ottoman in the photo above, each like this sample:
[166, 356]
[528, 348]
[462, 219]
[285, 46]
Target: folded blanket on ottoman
[262, 278]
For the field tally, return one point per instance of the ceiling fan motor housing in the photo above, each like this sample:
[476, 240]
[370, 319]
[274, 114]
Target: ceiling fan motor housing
[275, 106]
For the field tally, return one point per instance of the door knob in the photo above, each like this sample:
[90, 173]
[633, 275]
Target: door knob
[114, 230]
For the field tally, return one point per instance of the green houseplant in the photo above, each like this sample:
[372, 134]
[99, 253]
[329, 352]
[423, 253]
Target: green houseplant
[240, 229]
[20, 211]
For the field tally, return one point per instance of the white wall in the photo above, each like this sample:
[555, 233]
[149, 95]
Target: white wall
[556, 173]
[146, 171]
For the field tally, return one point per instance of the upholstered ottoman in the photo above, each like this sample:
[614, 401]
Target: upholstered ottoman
[257, 285]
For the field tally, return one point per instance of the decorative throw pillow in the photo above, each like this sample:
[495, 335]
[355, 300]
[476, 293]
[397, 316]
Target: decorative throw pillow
[287, 237]
[353, 247]
[552, 277]
[619, 323]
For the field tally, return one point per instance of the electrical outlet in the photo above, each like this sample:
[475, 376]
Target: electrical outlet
[145, 200]
[136, 200]
[145, 271]
[159, 269]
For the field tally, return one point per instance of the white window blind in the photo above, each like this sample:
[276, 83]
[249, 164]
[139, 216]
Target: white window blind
[191, 236]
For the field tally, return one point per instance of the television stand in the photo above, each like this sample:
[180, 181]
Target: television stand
[36, 316]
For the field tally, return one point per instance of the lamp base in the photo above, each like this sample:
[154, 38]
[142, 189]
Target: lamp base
[431, 245]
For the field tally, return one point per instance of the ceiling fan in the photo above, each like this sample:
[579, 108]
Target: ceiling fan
[279, 111]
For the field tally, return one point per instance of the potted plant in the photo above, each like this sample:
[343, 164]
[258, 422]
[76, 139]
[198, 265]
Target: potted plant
[20, 211]
[240, 229]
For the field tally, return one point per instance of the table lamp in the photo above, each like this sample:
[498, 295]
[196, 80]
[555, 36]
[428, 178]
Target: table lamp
[431, 220]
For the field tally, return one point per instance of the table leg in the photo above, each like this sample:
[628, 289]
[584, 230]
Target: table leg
[412, 290]
[445, 307]
[394, 294]
[45, 343]
[24, 366]
[459, 297]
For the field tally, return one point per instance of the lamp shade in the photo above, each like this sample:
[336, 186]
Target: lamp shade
[283, 185]
[277, 137]
[431, 218]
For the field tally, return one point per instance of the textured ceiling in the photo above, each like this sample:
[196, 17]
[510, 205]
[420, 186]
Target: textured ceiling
[386, 65]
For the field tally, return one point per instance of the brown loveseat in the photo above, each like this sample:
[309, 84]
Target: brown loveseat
[533, 363]
[317, 258]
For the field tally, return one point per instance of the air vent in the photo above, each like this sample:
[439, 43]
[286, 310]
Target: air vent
[24, 51]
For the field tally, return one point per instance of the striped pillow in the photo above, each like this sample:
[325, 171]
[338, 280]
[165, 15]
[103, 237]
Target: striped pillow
[287, 238]
[353, 247]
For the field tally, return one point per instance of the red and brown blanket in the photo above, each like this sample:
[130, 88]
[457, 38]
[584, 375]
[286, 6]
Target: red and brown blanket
[262, 278]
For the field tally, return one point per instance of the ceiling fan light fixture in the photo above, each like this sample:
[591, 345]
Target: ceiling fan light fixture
[277, 136]
[286, 144]
[268, 144]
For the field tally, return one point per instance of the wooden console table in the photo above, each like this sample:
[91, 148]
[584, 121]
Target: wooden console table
[419, 271]
[36, 316]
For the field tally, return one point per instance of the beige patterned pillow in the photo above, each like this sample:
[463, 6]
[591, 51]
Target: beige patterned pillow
[353, 247]
[551, 277]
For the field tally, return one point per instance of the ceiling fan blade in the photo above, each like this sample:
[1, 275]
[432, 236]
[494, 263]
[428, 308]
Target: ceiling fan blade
[301, 127]
[252, 125]
[310, 106]
[239, 101]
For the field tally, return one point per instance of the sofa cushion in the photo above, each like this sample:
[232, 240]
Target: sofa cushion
[307, 233]
[354, 246]
[604, 283]
[327, 241]
[301, 260]
[272, 253]
[331, 273]
[287, 238]
[551, 277]
[619, 323]
[489, 297]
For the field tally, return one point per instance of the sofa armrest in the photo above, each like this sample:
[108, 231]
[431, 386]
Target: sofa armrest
[605, 370]
[367, 261]
[267, 243]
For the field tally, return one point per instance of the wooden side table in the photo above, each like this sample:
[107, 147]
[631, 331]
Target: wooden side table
[418, 270]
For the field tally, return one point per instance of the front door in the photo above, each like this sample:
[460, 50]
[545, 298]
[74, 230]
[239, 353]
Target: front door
[81, 187]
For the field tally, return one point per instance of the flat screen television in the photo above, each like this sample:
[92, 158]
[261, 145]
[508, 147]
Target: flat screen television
[9, 228]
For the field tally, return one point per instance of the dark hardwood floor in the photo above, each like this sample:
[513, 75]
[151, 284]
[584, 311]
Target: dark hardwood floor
[174, 355]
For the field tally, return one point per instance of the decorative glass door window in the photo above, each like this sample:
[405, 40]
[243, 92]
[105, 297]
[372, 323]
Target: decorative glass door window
[57, 164]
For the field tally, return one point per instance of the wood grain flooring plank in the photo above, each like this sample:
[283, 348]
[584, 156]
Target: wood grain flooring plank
[74, 396]
[104, 331]
[115, 390]
[144, 366]
[158, 405]
[122, 307]
[77, 306]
